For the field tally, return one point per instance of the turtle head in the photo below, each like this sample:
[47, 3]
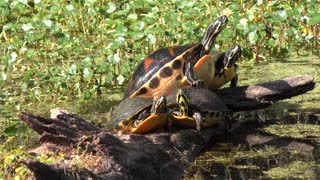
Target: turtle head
[182, 100]
[231, 56]
[159, 105]
[212, 32]
[151, 119]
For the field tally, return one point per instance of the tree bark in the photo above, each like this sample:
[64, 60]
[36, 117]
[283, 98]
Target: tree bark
[103, 154]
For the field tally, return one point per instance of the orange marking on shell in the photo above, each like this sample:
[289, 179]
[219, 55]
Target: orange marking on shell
[147, 63]
[202, 61]
[184, 122]
[171, 50]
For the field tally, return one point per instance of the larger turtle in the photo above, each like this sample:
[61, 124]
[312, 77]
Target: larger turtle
[167, 69]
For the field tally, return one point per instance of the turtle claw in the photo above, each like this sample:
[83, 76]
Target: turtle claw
[198, 83]
[198, 118]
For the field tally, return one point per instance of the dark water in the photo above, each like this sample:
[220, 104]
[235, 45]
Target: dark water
[251, 152]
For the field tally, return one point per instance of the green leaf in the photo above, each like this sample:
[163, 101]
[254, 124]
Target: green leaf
[314, 20]
[87, 73]
[111, 7]
[253, 37]
[132, 17]
[281, 15]
[294, 23]
[120, 79]
[11, 130]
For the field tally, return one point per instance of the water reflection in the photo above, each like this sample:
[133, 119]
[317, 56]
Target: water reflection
[249, 152]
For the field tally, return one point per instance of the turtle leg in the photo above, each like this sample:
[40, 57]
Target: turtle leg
[142, 116]
[191, 77]
[234, 81]
[198, 117]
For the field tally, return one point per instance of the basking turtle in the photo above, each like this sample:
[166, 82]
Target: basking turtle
[167, 69]
[139, 115]
[198, 108]
[224, 66]
[228, 71]
[190, 107]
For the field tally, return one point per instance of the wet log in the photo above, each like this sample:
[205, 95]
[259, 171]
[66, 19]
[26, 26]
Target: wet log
[102, 154]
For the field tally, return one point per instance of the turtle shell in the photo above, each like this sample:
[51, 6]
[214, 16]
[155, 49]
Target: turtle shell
[152, 64]
[124, 115]
[201, 100]
[147, 83]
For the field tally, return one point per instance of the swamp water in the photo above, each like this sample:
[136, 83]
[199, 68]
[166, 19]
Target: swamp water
[285, 146]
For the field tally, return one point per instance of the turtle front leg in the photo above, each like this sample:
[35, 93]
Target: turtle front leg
[191, 77]
[234, 81]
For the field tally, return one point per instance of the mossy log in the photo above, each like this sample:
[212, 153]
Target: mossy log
[160, 155]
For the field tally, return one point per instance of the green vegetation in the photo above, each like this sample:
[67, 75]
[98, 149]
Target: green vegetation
[296, 170]
[77, 54]
[252, 164]
[299, 131]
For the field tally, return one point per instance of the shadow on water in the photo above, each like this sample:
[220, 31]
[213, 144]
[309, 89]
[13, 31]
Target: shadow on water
[286, 146]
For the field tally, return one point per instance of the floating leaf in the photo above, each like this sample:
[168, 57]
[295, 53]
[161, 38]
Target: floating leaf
[70, 7]
[132, 17]
[253, 37]
[87, 73]
[27, 27]
[151, 38]
[120, 79]
[111, 7]
[281, 15]
[73, 69]
[3, 76]
[47, 22]
[314, 20]
[13, 56]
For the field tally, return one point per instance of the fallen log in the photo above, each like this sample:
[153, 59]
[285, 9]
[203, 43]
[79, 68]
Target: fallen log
[102, 154]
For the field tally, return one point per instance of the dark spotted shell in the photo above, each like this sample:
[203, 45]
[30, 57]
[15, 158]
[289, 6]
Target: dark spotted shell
[150, 65]
[128, 108]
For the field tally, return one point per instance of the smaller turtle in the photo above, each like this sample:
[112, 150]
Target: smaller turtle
[219, 68]
[139, 115]
[198, 108]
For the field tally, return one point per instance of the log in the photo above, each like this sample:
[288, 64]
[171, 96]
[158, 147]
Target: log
[103, 154]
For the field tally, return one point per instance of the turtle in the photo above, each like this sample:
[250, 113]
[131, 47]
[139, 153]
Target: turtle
[140, 115]
[224, 66]
[191, 107]
[167, 69]
[229, 71]
[198, 108]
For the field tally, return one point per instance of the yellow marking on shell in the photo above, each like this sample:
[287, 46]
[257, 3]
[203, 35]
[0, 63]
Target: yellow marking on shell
[126, 128]
[184, 121]
[151, 123]
[167, 85]
[165, 88]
